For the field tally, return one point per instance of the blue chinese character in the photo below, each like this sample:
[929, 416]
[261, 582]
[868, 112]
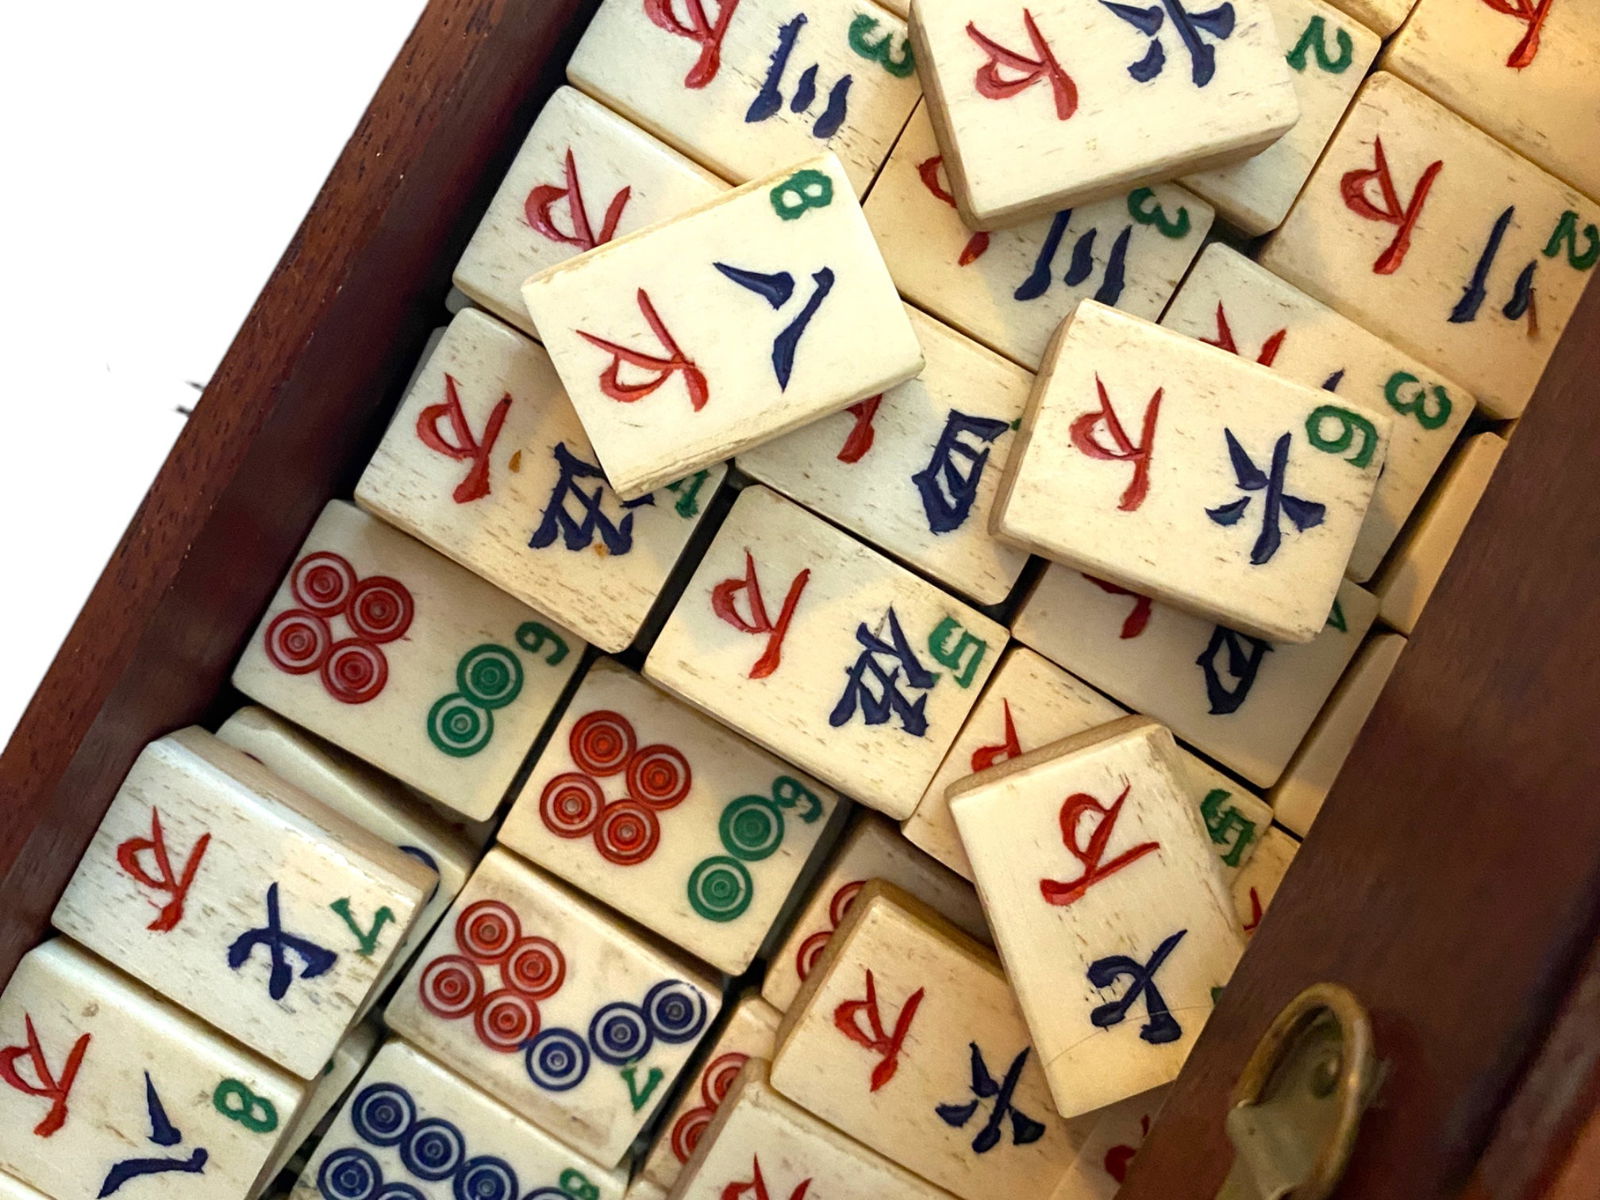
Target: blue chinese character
[1191, 27]
[314, 959]
[1477, 289]
[877, 705]
[1305, 514]
[1244, 654]
[162, 1133]
[578, 533]
[1024, 1129]
[949, 483]
[1161, 1027]
[1082, 265]
[776, 290]
[769, 100]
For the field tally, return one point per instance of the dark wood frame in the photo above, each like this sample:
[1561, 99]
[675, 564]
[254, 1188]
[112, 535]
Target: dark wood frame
[1453, 880]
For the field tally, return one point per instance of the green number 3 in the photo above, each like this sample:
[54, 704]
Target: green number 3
[882, 51]
[1417, 404]
[1144, 208]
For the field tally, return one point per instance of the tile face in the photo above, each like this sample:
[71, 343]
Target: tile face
[554, 1008]
[1408, 578]
[1243, 701]
[1297, 798]
[1257, 884]
[242, 899]
[1229, 301]
[408, 661]
[413, 1129]
[1432, 234]
[12, 1189]
[637, 330]
[1108, 1152]
[1328, 54]
[583, 176]
[106, 1084]
[1029, 702]
[1526, 73]
[1179, 470]
[762, 1147]
[1383, 16]
[487, 463]
[751, 1032]
[1108, 906]
[915, 471]
[669, 817]
[908, 1039]
[825, 652]
[1011, 288]
[872, 850]
[748, 86]
[378, 805]
[1055, 103]
[348, 1061]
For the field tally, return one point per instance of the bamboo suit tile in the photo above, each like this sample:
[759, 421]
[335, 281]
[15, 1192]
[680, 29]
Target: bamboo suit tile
[107, 1085]
[1229, 301]
[825, 652]
[1239, 496]
[242, 899]
[488, 464]
[408, 661]
[583, 176]
[1108, 906]
[748, 86]
[907, 1038]
[555, 1008]
[1435, 236]
[1010, 289]
[349, 1059]
[1108, 1152]
[914, 471]
[1241, 700]
[669, 817]
[1050, 104]
[1257, 884]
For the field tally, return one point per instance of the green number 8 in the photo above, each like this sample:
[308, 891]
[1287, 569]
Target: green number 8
[801, 191]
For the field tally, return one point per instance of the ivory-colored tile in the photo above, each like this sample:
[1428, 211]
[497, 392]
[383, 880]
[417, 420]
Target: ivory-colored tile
[763, 1147]
[377, 804]
[1433, 235]
[1410, 574]
[1297, 798]
[408, 661]
[1525, 72]
[1174, 468]
[1011, 288]
[751, 1031]
[1328, 54]
[873, 849]
[638, 329]
[1382, 16]
[1108, 1152]
[669, 817]
[554, 1007]
[644, 1189]
[15, 1189]
[747, 96]
[907, 1038]
[349, 1059]
[825, 652]
[107, 1085]
[1129, 918]
[1231, 302]
[488, 463]
[1257, 884]
[1243, 701]
[413, 1129]
[583, 176]
[242, 899]
[1030, 702]
[1051, 104]
[914, 471]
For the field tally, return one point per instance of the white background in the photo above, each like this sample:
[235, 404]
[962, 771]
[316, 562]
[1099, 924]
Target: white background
[159, 154]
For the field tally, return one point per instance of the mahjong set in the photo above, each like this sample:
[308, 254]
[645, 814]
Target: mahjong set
[831, 659]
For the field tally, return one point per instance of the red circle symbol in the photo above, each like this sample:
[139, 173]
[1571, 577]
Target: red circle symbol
[658, 776]
[323, 582]
[354, 671]
[719, 1075]
[534, 967]
[602, 742]
[505, 1020]
[688, 1131]
[380, 609]
[839, 906]
[297, 641]
[570, 805]
[628, 833]
[450, 987]
[486, 930]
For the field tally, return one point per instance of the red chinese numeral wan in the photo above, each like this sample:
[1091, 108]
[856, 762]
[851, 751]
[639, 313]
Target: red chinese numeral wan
[715, 1082]
[928, 172]
[462, 445]
[573, 805]
[1073, 809]
[994, 85]
[1135, 622]
[1353, 187]
[45, 1083]
[1085, 434]
[985, 757]
[529, 969]
[698, 28]
[811, 949]
[377, 609]
[862, 433]
[723, 603]
[1225, 341]
[755, 1188]
[1533, 16]
[660, 367]
[538, 208]
[173, 884]
[847, 1019]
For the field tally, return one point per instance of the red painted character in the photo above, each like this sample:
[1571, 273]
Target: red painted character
[1085, 435]
[697, 27]
[1136, 621]
[465, 447]
[45, 1083]
[861, 433]
[537, 209]
[1256, 912]
[928, 172]
[172, 883]
[756, 1187]
[758, 622]
[1119, 1158]
[992, 85]
[1073, 809]
[1353, 187]
[847, 1019]
[664, 367]
[1224, 339]
[985, 757]
[1530, 13]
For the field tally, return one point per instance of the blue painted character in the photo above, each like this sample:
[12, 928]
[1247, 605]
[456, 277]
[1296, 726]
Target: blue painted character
[1082, 265]
[1024, 1129]
[1243, 655]
[769, 100]
[162, 1133]
[315, 960]
[1192, 28]
[1277, 503]
[777, 289]
[1161, 1027]
[949, 483]
[878, 703]
[1521, 304]
[579, 532]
